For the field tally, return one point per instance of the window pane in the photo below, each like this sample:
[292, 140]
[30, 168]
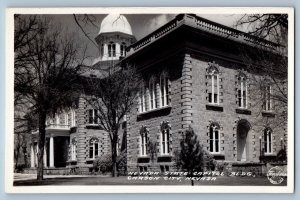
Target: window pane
[209, 98]
[91, 151]
[217, 146]
[109, 50]
[96, 149]
[168, 140]
[166, 90]
[265, 141]
[215, 98]
[90, 116]
[211, 133]
[114, 50]
[95, 116]
[216, 135]
[211, 146]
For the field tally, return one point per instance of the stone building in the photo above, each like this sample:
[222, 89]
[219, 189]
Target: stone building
[194, 75]
[73, 137]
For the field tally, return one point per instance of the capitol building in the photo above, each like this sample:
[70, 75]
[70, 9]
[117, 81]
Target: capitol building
[193, 76]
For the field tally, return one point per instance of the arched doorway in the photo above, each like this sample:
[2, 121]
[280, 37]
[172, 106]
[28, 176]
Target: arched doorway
[243, 128]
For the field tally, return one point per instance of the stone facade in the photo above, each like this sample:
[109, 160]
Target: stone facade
[201, 72]
[187, 59]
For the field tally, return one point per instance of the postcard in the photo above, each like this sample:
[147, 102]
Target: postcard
[126, 100]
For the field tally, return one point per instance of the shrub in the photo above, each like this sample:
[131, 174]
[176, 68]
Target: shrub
[103, 164]
[122, 163]
[281, 156]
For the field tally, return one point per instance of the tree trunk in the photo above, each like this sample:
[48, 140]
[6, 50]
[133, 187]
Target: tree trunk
[114, 154]
[41, 145]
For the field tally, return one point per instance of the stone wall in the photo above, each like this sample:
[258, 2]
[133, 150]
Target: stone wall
[189, 106]
[227, 114]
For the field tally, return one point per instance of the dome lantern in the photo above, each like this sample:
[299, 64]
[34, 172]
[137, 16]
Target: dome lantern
[115, 23]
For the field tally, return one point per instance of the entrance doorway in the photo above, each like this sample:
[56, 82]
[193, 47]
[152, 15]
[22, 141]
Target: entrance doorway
[243, 128]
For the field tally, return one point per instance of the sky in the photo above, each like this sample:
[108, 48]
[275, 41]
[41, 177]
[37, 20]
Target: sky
[141, 24]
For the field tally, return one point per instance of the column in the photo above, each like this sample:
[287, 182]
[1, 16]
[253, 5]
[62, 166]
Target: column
[32, 156]
[36, 155]
[51, 148]
[118, 50]
[105, 52]
[45, 156]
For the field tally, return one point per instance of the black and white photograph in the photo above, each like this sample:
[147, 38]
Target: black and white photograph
[191, 99]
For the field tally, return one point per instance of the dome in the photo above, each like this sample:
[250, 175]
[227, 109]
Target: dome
[115, 23]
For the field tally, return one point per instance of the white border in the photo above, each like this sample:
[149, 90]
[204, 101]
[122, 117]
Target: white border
[9, 105]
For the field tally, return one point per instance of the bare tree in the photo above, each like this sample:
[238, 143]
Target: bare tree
[46, 69]
[113, 94]
[273, 27]
[267, 66]
[24, 123]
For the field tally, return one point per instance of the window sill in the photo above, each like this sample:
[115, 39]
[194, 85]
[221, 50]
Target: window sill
[218, 156]
[73, 129]
[268, 113]
[155, 112]
[93, 126]
[164, 158]
[143, 159]
[89, 161]
[72, 162]
[214, 107]
[269, 154]
[244, 111]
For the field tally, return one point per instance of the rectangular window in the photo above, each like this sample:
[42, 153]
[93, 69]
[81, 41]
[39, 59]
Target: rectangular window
[164, 90]
[152, 92]
[214, 140]
[268, 99]
[112, 50]
[213, 94]
[91, 150]
[165, 142]
[268, 141]
[144, 144]
[242, 93]
[96, 149]
[91, 119]
[93, 116]
[142, 99]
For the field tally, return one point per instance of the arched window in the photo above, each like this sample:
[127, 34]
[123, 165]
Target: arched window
[111, 50]
[268, 141]
[73, 149]
[143, 141]
[123, 49]
[142, 99]
[94, 148]
[165, 138]
[164, 90]
[214, 138]
[152, 93]
[213, 84]
[267, 98]
[242, 91]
